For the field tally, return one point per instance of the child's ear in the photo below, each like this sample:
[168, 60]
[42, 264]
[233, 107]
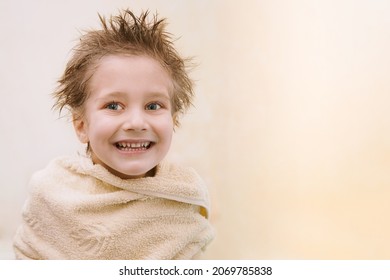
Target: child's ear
[80, 127]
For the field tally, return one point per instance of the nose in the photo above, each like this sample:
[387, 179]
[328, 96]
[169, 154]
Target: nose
[135, 120]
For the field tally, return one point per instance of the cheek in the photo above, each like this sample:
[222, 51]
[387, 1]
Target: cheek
[165, 128]
[100, 128]
[169, 126]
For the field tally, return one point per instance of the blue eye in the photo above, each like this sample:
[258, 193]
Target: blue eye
[115, 106]
[153, 106]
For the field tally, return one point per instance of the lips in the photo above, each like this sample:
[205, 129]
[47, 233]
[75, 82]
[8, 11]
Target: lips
[133, 146]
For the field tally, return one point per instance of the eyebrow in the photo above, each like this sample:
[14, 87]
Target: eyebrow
[118, 94]
[159, 95]
[111, 95]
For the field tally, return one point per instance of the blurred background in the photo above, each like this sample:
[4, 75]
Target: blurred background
[290, 129]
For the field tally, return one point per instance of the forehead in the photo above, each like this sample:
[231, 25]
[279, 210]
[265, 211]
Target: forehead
[129, 73]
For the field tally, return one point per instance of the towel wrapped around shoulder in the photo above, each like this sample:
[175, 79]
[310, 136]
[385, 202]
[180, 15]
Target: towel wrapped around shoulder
[79, 210]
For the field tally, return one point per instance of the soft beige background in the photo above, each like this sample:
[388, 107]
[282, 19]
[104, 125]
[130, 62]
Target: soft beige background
[291, 128]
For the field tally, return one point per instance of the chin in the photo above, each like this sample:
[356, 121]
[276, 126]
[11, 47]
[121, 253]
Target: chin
[138, 173]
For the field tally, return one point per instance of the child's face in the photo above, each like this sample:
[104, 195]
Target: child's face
[127, 118]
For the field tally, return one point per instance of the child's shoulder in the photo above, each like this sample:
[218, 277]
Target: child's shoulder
[179, 170]
[59, 169]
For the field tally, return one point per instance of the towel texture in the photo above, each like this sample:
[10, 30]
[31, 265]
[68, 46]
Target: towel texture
[78, 210]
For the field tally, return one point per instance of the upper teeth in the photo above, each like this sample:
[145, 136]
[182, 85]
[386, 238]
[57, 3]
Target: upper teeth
[134, 145]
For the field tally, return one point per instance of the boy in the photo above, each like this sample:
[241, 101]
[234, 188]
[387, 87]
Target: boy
[125, 86]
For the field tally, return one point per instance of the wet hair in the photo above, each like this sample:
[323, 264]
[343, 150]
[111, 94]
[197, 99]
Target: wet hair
[124, 34]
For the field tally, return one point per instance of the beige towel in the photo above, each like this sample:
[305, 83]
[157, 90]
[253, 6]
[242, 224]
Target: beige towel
[78, 210]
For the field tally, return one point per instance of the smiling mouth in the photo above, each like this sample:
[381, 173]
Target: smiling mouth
[133, 146]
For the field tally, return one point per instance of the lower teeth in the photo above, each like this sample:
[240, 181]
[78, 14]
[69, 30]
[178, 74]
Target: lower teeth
[132, 149]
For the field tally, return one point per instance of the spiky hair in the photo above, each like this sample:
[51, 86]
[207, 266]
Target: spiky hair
[124, 33]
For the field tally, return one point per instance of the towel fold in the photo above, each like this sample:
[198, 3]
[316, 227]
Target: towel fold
[79, 210]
